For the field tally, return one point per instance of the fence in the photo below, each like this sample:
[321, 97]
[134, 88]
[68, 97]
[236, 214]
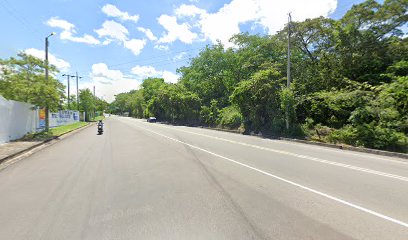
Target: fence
[18, 118]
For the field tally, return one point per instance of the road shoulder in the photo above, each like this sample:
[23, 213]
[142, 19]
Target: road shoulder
[14, 151]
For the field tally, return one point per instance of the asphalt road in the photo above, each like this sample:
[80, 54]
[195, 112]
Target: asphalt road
[151, 181]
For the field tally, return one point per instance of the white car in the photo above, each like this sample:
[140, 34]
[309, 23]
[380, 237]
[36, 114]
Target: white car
[151, 119]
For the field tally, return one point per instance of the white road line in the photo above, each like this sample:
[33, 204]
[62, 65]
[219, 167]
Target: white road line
[314, 146]
[366, 170]
[383, 158]
[344, 202]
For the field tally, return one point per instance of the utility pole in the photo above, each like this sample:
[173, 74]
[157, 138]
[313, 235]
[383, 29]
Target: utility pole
[77, 86]
[288, 69]
[69, 94]
[94, 101]
[47, 122]
[289, 33]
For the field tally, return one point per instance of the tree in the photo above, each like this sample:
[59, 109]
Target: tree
[22, 79]
[87, 103]
[259, 101]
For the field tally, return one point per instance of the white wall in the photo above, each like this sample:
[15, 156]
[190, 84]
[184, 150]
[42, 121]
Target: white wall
[63, 118]
[16, 119]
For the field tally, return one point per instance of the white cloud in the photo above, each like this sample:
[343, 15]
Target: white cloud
[189, 11]
[170, 77]
[109, 82]
[161, 47]
[100, 71]
[180, 56]
[270, 14]
[143, 72]
[112, 11]
[61, 64]
[60, 23]
[113, 30]
[148, 33]
[135, 45]
[175, 31]
[273, 14]
[69, 31]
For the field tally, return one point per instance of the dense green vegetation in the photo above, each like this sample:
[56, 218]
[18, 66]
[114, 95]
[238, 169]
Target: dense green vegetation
[349, 83]
[22, 79]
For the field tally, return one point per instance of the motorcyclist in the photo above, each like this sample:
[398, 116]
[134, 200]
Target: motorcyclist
[100, 127]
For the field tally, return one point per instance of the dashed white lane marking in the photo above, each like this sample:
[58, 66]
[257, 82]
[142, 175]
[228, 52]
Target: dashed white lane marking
[348, 166]
[325, 195]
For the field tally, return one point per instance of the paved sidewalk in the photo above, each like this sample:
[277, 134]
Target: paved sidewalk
[12, 148]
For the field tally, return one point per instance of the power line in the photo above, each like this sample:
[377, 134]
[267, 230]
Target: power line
[154, 57]
[14, 13]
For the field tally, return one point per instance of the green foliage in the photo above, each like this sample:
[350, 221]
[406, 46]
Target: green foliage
[371, 136]
[259, 101]
[87, 102]
[209, 115]
[288, 105]
[230, 117]
[23, 79]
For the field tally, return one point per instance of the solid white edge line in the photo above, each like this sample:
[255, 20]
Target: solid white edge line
[366, 170]
[363, 209]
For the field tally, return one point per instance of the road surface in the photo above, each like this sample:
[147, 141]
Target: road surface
[151, 181]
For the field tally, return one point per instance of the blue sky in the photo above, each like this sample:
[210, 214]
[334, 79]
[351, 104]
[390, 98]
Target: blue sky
[116, 44]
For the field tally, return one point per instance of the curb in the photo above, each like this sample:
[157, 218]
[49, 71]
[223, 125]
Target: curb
[350, 148]
[69, 133]
[330, 145]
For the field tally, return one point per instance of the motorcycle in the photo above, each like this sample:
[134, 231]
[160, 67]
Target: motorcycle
[100, 128]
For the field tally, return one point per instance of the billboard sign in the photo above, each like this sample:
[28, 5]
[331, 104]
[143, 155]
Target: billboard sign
[41, 116]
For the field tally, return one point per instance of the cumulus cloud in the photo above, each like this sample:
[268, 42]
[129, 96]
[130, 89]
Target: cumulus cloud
[61, 64]
[189, 11]
[149, 34]
[161, 47]
[143, 72]
[170, 77]
[109, 82]
[113, 30]
[180, 56]
[175, 31]
[112, 11]
[101, 72]
[69, 31]
[135, 45]
[270, 14]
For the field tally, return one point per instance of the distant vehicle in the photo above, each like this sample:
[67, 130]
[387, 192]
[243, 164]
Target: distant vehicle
[152, 120]
[100, 127]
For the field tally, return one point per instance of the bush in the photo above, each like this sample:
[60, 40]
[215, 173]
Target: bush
[371, 136]
[230, 117]
[209, 115]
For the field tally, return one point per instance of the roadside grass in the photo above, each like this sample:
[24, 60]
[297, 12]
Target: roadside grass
[54, 132]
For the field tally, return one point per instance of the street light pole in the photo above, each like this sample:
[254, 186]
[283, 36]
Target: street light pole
[288, 70]
[77, 90]
[47, 122]
[69, 89]
[94, 101]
